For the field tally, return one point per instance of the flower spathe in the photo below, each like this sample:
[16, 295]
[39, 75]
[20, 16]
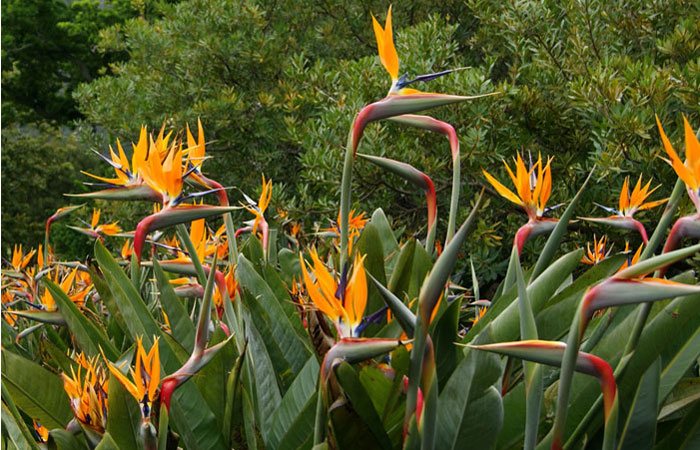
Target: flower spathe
[344, 305]
[146, 376]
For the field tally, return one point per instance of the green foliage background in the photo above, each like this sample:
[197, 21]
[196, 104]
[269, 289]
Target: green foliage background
[276, 84]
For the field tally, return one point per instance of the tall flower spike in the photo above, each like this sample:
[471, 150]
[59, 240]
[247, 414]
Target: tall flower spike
[400, 99]
[532, 190]
[146, 376]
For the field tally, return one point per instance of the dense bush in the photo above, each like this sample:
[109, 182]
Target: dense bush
[275, 83]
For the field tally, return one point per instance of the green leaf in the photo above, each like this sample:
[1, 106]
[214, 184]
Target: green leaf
[361, 402]
[137, 317]
[249, 420]
[678, 365]
[289, 265]
[267, 391]
[293, 421]
[124, 417]
[457, 411]
[190, 414]
[370, 245]
[100, 283]
[17, 430]
[284, 344]
[253, 251]
[686, 434]
[64, 440]
[36, 391]
[90, 338]
[444, 336]
[386, 235]
[639, 430]
[180, 322]
[108, 443]
[273, 280]
[685, 393]
[400, 279]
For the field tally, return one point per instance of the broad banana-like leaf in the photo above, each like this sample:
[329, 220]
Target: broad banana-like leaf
[639, 430]
[35, 390]
[91, 339]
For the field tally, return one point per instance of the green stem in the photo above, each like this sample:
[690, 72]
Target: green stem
[665, 220]
[185, 238]
[135, 272]
[163, 421]
[430, 239]
[415, 369]
[567, 372]
[454, 199]
[320, 422]
[533, 372]
[345, 198]
[610, 430]
[232, 244]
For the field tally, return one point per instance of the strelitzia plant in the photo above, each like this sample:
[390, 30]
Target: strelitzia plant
[271, 350]
[533, 187]
[400, 100]
[629, 204]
